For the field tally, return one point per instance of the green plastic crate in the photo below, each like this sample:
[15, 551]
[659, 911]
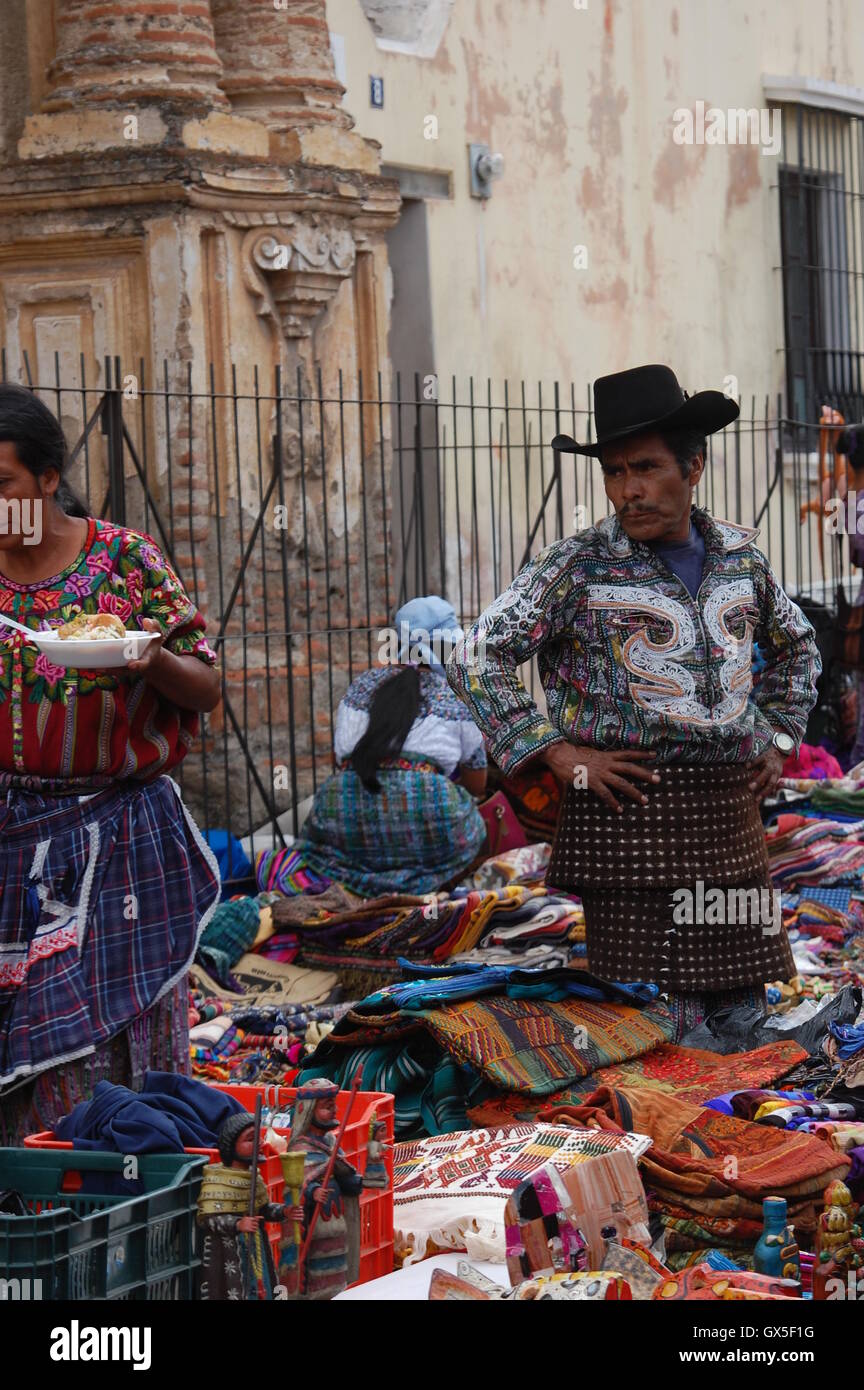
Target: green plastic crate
[84, 1245]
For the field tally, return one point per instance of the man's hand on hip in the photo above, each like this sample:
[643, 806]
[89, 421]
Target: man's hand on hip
[608, 773]
[766, 773]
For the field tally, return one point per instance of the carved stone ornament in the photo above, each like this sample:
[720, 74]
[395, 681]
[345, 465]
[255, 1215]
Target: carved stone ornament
[294, 266]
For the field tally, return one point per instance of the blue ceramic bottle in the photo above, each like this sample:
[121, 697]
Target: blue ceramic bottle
[776, 1252]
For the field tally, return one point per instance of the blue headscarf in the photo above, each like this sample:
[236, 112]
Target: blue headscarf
[426, 629]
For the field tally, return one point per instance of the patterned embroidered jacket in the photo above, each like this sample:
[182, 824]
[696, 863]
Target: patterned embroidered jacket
[628, 659]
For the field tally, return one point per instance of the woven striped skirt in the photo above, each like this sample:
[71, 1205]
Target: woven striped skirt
[102, 902]
[417, 833]
[676, 892]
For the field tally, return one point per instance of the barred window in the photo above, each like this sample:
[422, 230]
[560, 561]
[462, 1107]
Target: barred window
[820, 185]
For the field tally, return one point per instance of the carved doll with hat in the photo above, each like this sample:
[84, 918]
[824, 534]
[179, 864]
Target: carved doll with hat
[237, 1263]
[332, 1185]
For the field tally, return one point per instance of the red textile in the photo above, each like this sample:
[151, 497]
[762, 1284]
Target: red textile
[812, 762]
[684, 1072]
[693, 1145]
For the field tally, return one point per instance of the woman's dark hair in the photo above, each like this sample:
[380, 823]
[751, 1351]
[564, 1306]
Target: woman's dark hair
[38, 438]
[392, 710]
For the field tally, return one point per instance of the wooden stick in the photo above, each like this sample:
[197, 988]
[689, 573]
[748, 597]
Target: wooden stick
[256, 1139]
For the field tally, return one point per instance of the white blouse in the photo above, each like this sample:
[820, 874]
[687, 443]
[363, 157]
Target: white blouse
[443, 732]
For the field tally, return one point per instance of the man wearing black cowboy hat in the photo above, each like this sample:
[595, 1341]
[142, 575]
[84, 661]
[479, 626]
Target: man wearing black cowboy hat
[643, 628]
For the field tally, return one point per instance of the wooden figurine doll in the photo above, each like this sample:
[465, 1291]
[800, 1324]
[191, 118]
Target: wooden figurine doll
[376, 1151]
[330, 1254]
[837, 1260]
[237, 1263]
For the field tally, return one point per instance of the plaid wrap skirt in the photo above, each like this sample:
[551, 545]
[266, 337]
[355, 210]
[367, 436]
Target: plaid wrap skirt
[418, 832]
[102, 901]
[678, 891]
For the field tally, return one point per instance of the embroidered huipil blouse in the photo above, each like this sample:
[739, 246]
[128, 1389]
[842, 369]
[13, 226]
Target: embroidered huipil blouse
[629, 659]
[65, 730]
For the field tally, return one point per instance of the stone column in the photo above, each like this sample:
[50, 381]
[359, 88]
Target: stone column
[134, 51]
[278, 66]
[133, 75]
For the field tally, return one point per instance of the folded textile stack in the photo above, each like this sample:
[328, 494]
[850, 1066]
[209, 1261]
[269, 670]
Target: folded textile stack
[444, 1043]
[816, 865]
[260, 1028]
[429, 985]
[804, 850]
[257, 1044]
[840, 1123]
[706, 1174]
[364, 944]
[666, 1070]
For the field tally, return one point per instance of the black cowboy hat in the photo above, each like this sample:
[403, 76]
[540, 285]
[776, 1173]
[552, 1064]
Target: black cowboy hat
[648, 398]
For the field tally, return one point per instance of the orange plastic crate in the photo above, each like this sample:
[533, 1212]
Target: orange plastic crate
[376, 1205]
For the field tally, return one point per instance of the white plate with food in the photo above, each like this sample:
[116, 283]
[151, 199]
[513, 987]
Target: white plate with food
[90, 642]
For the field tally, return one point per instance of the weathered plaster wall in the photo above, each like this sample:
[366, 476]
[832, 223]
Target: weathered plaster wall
[682, 241]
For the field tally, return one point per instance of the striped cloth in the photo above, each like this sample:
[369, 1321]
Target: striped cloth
[817, 853]
[103, 901]
[284, 871]
[419, 832]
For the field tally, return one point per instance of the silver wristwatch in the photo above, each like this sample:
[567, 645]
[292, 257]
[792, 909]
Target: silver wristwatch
[784, 743]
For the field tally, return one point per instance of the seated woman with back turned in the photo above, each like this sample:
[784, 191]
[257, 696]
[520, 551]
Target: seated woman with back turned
[399, 813]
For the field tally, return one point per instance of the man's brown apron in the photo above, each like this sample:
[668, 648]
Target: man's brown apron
[700, 831]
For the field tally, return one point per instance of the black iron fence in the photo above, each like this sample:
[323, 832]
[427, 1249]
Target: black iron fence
[300, 513]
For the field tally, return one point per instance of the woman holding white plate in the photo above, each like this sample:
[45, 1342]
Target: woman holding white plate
[105, 880]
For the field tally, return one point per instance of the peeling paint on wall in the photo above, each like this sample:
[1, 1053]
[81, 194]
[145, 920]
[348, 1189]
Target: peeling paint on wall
[745, 175]
[676, 167]
[484, 100]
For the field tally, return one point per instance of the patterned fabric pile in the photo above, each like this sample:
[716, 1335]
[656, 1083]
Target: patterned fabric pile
[364, 945]
[482, 1013]
[806, 851]
[666, 1070]
[439, 1054]
[450, 1192]
[707, 1173]
[243, 1044]
[816, 854]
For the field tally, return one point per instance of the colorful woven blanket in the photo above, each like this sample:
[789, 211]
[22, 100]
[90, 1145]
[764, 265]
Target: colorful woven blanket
[537, 1046]
[693, 1146]
[667, 1069]
[437, 1062]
